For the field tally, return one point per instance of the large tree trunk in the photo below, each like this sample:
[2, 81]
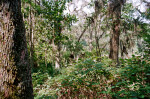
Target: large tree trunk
[115, 12]
[15, 74]
[114, 41]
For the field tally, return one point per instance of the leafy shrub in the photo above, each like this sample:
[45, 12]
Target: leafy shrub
[91, 79]
[97, 80]
[133, 80]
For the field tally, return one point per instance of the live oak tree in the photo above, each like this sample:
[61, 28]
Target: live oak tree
[15, 74]
[115, 13]
[50, 28]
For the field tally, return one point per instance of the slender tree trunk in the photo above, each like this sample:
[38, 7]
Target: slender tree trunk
[91, 38]
[58, 48]
[98, 8]
[56, 52]
[15, 74]
[31, 38]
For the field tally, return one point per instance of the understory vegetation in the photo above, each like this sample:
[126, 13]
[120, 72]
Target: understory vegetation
[88, 78]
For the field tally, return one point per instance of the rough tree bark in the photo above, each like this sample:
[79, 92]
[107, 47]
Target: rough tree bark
[15, 74]
[115, 13]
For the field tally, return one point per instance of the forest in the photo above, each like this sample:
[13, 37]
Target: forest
[74, 49]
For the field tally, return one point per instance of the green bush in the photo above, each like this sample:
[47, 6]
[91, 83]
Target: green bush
[87, 80]
[91, 79]
[133, 80]
[96, 80]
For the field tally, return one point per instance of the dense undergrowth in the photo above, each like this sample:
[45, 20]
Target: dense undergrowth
[91, 79]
